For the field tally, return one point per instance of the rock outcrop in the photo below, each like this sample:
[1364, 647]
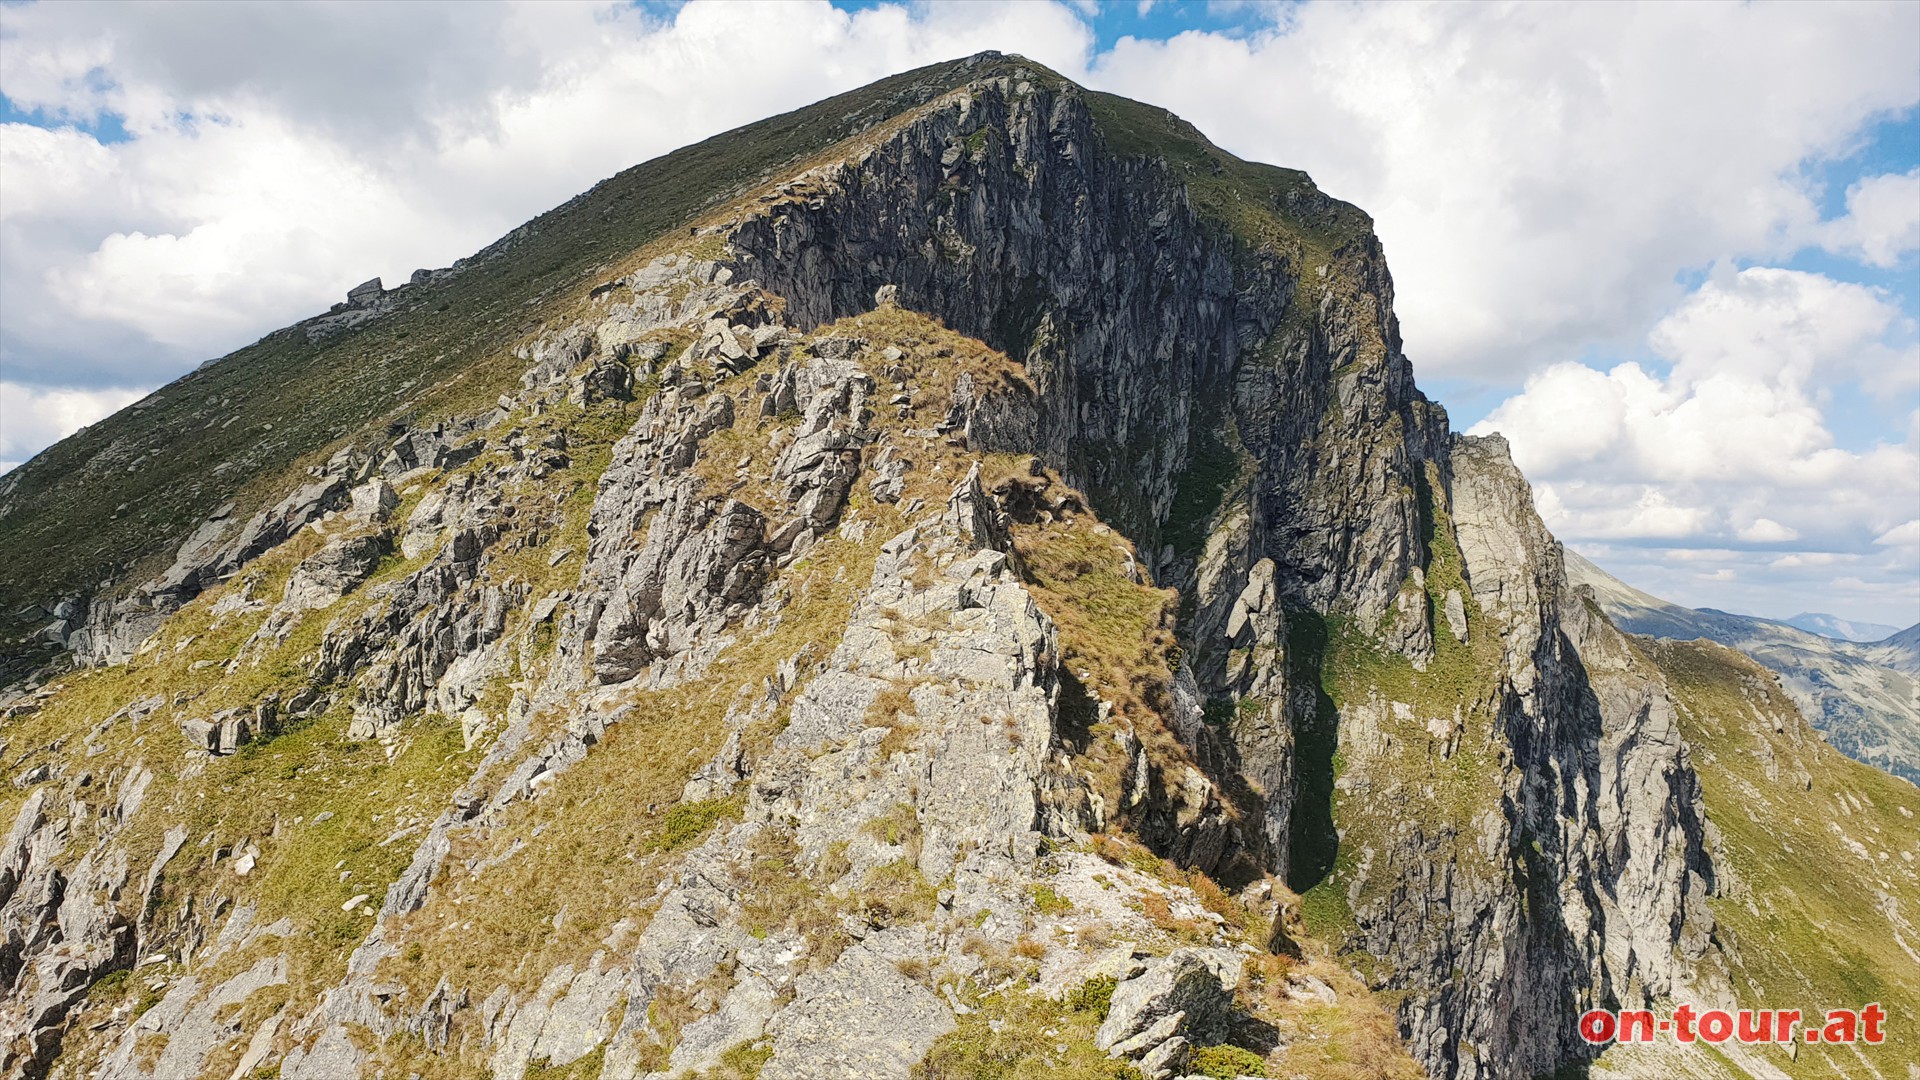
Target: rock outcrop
[1584, 876]
[1182, 1000]
[929, 607]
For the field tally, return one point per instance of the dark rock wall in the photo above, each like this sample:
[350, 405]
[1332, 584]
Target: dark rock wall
[1145, 329]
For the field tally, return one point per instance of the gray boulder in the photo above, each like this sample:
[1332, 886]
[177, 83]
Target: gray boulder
[374, 500]
[1186, 994]
[333, 571]
[365, 293]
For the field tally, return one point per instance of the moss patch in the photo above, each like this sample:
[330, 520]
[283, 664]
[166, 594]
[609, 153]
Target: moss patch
[1013, 1035]
[1227, 1062]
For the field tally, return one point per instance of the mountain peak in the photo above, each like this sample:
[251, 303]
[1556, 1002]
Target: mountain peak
[953, 580]
[1834, 626]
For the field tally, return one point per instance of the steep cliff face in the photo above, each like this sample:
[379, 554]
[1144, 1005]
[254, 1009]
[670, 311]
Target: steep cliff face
[1005, 550]
[1222, 407]
[1005, 211]
[1557, 813]
[1160, 336]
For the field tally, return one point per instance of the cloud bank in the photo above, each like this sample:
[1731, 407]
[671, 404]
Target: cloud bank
[1730, 449]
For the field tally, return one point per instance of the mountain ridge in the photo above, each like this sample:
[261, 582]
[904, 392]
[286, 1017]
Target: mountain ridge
[342, 360]
[1833, 626]
[1862, 696]
[1005, 548]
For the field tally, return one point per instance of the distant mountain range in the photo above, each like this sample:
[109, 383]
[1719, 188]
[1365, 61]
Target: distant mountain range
[1864, 696]
[1833, 626]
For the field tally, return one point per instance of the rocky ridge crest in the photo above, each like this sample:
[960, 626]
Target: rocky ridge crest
[871, 632]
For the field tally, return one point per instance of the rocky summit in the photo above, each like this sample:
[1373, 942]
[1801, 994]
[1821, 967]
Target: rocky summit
[955, 581]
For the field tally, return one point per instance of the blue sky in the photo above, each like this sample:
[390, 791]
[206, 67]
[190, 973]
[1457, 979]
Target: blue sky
[1154, 20]
[103, 127]
[1667, 250]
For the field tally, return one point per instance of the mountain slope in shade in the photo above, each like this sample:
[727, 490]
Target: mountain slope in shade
[1865, 698]
[1834, 626]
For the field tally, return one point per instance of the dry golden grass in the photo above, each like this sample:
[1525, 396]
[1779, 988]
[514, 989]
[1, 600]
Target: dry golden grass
[1159, 912]
[778, 893]
[1353, 1040]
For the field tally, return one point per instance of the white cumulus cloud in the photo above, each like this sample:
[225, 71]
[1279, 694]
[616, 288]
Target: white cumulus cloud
[1540, 172]
[1905, 535]
[1730, 446]
[1882, 223]
[30, 418]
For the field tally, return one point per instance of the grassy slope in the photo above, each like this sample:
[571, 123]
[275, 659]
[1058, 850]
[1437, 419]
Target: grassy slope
[1370, 808]
[449, 349]
[115, 499]
[1822, 851]
[324, 811]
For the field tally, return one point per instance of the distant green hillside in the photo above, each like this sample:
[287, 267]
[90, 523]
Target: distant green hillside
[1817, 859]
